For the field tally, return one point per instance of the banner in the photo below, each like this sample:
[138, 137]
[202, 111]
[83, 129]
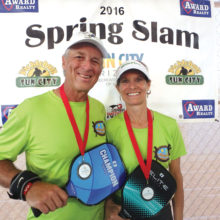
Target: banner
[175, 39]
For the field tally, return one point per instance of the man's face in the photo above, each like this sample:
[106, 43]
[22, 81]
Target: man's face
[82, 67]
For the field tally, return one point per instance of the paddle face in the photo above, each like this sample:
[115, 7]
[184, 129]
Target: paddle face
[143, 200]
[96, 175]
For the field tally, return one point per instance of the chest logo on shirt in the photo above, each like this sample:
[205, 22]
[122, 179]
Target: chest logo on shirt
[162, 153]
[99, 128]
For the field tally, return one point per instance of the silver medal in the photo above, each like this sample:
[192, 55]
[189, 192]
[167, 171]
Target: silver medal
[84, 170]
[147, 193]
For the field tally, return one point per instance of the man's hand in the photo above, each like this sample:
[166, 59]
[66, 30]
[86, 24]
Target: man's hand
[46, 197]
[112, 210]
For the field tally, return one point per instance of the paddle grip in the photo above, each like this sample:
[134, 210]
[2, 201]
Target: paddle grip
[36, 212]
[122, 214]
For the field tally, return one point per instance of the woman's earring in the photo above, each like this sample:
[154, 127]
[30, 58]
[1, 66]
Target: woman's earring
[148, 92]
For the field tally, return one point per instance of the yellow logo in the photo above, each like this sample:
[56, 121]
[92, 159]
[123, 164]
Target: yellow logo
[38, 68]
[184, 68]
[184, 73]
[38, 74]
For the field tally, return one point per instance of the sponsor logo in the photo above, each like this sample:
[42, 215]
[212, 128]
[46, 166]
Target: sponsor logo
[16, 6]
[184, 73]
[198, 109]
[162, 153]
[196, 8]
[6, 111]
[114, 110]
[99, 128]
[38, 74]
[114, 60]
[157, 179]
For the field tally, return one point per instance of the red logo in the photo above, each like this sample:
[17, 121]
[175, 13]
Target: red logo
[5, 6]
[187, 10]
[185, 107]
[6, 111]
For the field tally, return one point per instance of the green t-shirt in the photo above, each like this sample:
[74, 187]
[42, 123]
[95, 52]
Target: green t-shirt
[41, 128]
[167, 140]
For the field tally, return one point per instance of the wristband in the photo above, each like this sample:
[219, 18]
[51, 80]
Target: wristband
[19, 183]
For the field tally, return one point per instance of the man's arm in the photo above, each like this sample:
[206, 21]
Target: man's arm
[44, 196]
[7, 172]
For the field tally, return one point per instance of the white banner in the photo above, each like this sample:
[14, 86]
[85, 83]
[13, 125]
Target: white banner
[176, 39]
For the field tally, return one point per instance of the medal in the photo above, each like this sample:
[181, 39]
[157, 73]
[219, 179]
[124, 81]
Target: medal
[147, 193]
[84, 169]
[145, 167]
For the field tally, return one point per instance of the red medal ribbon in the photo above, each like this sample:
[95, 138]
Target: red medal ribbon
[81, 143]
[144, 167]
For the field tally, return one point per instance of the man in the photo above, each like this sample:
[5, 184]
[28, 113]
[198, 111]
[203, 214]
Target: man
[40, 127]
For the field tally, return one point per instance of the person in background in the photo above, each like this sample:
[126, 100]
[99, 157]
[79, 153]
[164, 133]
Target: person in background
[133, 84]
[40, 127]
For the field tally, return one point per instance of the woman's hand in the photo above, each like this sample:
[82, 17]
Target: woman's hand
[112, 210]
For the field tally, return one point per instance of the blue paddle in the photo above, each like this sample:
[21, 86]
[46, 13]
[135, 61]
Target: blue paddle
[95, 176]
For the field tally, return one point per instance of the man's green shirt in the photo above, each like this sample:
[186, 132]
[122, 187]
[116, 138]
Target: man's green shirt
[40, 127]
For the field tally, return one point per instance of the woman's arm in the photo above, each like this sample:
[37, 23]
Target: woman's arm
[178, 199]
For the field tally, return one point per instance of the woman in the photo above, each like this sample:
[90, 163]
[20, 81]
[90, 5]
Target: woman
[133, 84]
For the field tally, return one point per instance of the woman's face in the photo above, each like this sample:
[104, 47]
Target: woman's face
[133, 88]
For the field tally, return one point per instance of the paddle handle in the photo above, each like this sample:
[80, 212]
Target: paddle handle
[36, 212]
[122, 214]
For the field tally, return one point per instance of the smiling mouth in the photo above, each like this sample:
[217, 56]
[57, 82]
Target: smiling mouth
[85, 76]
[133, 94]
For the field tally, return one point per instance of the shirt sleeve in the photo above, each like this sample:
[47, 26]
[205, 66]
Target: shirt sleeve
[14, 135]
[178, 149]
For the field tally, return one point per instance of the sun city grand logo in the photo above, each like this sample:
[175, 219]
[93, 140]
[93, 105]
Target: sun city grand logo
[7, 6]
[38, 74]
[198, 8]
[184, 74]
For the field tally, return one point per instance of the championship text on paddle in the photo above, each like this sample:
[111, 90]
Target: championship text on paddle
[108, 167]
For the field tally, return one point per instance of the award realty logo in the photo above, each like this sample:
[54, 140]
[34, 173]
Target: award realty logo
[196, 8]
[38, 74]
[184, 73]
[16, 6]
[6, 111]
[198, 109]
